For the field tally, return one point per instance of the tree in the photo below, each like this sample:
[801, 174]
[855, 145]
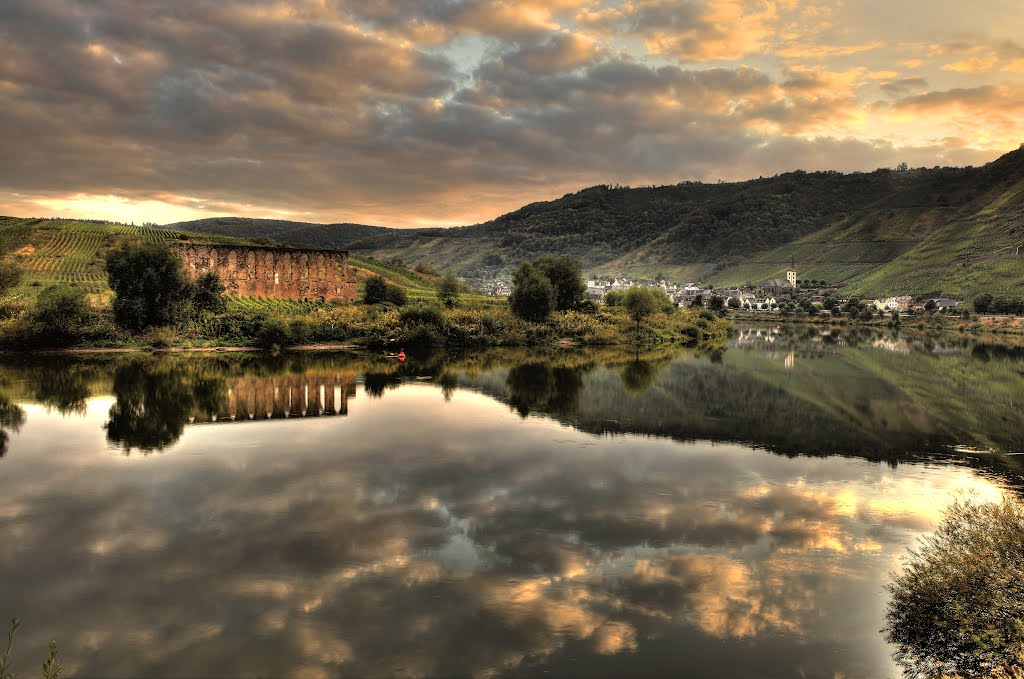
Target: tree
[375, 290]
[930, 305]
[566, 276]
[716, 303]
[61, 315]
[957, 609]
[734, 303]
[448, 291]
[698, 302]
[208, 294]
[533, 296]
[613, 298]
[10, 275]
[150, 286]
[983, 303]
[639, 303]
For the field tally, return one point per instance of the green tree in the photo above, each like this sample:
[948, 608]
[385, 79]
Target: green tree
[208, 294]
[613, 298]
[533, 296]
[375, 290]
[983, 303]
[448, 291]
[61, 315]
[698, 302]
[150, 286]
[639, 303]
[716, 303]
[566, 276]
[734, 303]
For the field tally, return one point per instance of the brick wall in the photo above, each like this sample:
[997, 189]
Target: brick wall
[283, 273]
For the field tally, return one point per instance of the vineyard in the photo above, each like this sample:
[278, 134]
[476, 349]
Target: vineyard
[74, 252]
[70, 252]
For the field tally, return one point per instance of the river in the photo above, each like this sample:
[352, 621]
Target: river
[575, 513]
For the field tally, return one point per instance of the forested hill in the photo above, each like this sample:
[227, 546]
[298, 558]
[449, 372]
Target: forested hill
[870, 231]
[280, 231]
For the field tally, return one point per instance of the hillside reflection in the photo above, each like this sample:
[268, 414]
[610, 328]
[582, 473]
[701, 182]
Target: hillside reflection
[796, 395]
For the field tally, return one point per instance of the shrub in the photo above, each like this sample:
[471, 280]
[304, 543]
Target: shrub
[299, 331]
[208, 294]
[422, 314]
[272, 334]
[160, 338]
[448, 291]
[396, 295]
[957, 609]
[61, 316]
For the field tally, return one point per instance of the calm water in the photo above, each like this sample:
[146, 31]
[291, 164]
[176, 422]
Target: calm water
[499, 514]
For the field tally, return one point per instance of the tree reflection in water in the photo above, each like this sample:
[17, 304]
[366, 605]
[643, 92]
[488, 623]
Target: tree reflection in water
[11, 419]
[957, 609]
[154, 401]
[542, 387]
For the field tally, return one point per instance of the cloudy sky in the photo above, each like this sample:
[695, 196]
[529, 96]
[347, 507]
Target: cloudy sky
[445, 112]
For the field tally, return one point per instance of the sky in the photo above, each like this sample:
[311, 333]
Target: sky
[412, 113]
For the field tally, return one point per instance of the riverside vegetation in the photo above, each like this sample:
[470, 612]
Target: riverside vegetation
[142, 297]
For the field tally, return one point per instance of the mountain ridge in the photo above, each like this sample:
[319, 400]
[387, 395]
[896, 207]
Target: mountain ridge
[919, 231]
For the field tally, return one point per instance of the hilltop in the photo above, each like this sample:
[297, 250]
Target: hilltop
[953, 231]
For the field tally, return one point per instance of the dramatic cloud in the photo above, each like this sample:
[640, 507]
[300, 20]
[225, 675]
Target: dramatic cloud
[452, 111]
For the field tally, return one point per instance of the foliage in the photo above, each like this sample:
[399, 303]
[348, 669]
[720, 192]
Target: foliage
[533, 295]
[566, 276]
[208, 293]
[958, 606]
[149, 284]
[51, 669]
[983, 303]
[378, 290]
[10, 276]
[273, 334]
[448, 290]
[61, 314]
[640, 303]
[613, 298]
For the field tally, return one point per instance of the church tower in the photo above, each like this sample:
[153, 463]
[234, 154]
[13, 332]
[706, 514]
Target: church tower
[791, 274]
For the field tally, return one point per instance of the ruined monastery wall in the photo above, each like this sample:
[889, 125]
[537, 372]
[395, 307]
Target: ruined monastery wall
[283, 273]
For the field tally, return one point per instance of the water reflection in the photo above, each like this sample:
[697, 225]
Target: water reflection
[439, 531]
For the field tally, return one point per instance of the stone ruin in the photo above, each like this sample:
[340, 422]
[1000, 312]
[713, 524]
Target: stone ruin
[275, 272]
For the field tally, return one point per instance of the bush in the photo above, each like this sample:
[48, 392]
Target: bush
[299, 331]
[448, 291]
[272, 334]
[61, 316]
[396, 295]
[422, 314]
[422, 339]
[160, 338]
[957, 609]
[208, 294]
[375, 290]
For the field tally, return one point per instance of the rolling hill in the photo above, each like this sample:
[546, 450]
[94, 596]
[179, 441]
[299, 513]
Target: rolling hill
[68, 251]
[952, 231]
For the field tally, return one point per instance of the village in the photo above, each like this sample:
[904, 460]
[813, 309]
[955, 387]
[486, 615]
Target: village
[782, 296]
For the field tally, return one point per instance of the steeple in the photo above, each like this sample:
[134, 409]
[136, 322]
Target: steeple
[791, 274]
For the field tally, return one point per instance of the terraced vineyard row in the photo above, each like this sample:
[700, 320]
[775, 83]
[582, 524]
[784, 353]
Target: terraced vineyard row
[69, 252]
[269, 305]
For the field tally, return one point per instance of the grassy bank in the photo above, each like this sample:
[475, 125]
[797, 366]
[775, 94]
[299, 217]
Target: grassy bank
[415, 327]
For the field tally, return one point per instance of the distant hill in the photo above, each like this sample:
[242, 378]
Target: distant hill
[953, 231]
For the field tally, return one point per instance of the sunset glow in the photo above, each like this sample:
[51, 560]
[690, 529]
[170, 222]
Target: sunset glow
[408, 113]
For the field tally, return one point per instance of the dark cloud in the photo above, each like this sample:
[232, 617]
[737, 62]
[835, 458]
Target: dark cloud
[464, 109]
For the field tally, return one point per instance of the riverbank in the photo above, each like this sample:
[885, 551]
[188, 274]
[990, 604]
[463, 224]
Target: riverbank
[418, 328]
